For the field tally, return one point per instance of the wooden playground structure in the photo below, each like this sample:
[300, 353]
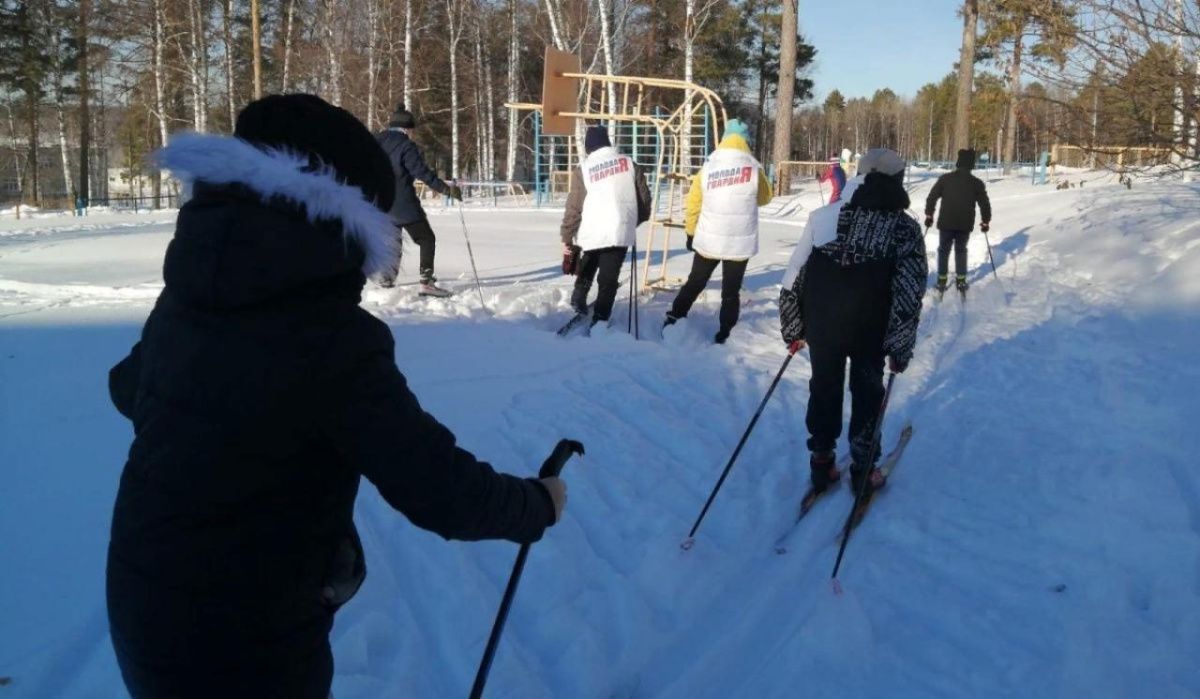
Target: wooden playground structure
[671, 108]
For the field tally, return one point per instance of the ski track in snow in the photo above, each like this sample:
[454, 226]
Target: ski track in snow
[1042, 539]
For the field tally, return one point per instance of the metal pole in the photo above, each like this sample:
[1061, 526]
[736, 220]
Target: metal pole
[550, 469]
[691, 540]
[878, 432]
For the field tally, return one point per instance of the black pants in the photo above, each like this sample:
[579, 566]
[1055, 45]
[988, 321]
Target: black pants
[732, 271]
[606, 261]
[958, 239]
[422, 235]
[825, 391]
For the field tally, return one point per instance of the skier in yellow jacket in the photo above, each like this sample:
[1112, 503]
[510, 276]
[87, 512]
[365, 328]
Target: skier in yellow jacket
[721, 221]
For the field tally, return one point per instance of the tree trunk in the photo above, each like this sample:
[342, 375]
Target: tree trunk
[32, 162]
[966, 76]
[160, 78]
[287, 45]
[408, 54]
[61, 115]
[372, 60]
[606, 46]
[454, 27]
[85, 142]
[1014, 96]
[514, 56]
[13, 139]
[256, 47]
[228, 7]
[785, 93]
[197, 72]
[333, 51]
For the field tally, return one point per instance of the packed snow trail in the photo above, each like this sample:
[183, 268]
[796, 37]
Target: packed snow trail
[1043, 540]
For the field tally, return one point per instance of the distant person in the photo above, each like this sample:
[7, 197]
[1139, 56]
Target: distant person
[721, 222]
[853, 292]
[960, 192]
[836, 177]
[609, 199]
[260, 394]
[406, 210]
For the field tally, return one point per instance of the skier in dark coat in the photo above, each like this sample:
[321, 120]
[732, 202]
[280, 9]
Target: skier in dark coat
[406, 211]
[960, 192]
[260, 393]
[854, 292]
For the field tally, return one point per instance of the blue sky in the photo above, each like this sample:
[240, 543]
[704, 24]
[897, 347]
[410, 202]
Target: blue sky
[866, 45]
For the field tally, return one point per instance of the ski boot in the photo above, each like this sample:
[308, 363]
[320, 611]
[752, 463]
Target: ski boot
[960, 283]
[429, 287]
[872, 480]
[823, 465]
[721, 336]
[941, 286]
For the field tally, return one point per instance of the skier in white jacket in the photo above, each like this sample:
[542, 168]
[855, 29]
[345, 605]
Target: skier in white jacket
[609, 199]
[721, 221]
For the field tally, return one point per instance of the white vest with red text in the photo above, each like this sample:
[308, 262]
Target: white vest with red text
[728, 224]
[609, 216]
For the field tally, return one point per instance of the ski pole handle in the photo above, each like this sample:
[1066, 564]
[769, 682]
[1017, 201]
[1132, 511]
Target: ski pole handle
[553, 465]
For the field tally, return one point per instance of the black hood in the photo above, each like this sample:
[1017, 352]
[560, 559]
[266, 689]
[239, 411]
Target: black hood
[966, 159]
[262, 225]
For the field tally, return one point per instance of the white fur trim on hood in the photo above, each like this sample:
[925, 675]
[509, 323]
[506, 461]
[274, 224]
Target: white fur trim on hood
[273, 172]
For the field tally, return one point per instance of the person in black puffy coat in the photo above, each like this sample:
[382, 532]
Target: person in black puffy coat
[260, 392]
[407, 213]
[960, 192]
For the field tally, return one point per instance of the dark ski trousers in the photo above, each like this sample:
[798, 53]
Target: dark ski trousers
[421, 234]
[957, 239]
[606, 261]
[825, 391]
[732, 273]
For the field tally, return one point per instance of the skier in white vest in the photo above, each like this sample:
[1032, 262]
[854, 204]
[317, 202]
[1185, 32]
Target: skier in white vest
[721, 221]
[608, 200]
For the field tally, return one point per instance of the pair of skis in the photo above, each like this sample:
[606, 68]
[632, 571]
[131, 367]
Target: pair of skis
[887, 466]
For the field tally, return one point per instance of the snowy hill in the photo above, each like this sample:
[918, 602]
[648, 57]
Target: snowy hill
[1042, 538]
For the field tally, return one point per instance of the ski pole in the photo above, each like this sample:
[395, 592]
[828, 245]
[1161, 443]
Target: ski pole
[990, 258]
[691, 537]
[633, 290]
[550, 469]
[474, 270]
[821, 189]
[876, 435]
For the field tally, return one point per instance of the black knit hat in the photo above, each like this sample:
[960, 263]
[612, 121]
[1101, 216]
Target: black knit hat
[966, 158]
[328, 135]
[595, 139]
[402, 118]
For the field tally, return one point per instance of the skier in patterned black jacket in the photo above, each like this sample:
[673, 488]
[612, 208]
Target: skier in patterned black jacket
[260, 394]
[853, 291]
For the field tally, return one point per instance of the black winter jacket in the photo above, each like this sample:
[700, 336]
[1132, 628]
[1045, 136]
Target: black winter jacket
[259, 393]
[409, 166]
[862, 292]
[960, 192]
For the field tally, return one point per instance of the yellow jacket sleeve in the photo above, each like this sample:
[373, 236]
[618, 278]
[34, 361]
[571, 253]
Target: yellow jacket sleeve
[764, 189]
[691, 211]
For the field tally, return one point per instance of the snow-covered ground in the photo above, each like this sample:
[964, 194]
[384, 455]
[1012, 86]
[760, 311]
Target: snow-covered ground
[1042, 538]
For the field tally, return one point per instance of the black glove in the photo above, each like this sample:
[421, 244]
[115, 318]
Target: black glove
[688, 241]
[454, 192]
[570, 262]
[928, 221]
[985, 226]
[897, 366]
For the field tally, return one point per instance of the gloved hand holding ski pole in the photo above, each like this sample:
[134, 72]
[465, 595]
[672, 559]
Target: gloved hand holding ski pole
[548, 475]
